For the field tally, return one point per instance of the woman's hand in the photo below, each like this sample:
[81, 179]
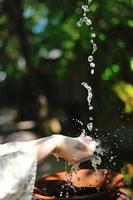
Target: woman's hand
[73, 150]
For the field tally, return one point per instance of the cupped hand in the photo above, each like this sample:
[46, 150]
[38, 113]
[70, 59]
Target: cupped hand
[90, 143]
[73, 150]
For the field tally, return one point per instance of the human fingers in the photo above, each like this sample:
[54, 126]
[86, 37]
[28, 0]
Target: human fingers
[85, 139]
[89, 144]
[81, 156]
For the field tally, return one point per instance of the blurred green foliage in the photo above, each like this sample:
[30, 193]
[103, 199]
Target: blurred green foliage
[42, 37]
[125, 93]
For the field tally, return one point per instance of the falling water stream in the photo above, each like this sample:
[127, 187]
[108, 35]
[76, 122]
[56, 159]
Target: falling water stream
[96, 158]
[99, 151]
[84, 20]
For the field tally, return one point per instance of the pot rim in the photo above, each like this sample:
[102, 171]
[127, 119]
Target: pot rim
[72, 198]
[60, 176]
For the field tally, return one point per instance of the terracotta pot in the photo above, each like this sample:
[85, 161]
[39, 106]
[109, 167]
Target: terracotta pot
[85, 182]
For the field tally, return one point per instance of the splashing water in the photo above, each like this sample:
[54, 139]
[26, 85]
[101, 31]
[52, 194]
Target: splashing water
[95, 149]
[90, 94]
[96, 158]
[77, 120]
[95, 152]
[83, 132]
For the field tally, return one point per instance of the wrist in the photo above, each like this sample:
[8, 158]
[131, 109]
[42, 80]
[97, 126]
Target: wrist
[46, 147]
[55, 141]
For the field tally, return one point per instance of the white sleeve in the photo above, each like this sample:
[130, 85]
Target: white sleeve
[18, 164]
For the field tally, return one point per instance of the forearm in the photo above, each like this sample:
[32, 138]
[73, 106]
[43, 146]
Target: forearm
[44, 147]
[67, 148]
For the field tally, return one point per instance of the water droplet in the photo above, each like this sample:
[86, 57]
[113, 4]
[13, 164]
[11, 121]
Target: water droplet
[90, 126]
[105, 172]
[61, 194]
[92, 71]
[92, 65]
[93, 35]
[90, 95]
[91, 118]
[83, 132]
[67, 194]
[44, 189]
[98, 189]
[94, 48]
[85, 8]
[87, 21]
[114, 163]
[90, 58]
[84, 20]
[91, 108]
[79, 24]
[95, 160]
[77, 120]
[57, 157]
[85, 85]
